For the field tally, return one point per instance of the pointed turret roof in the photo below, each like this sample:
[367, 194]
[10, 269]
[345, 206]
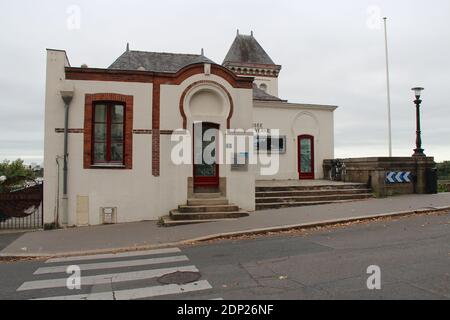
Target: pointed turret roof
[246, 50]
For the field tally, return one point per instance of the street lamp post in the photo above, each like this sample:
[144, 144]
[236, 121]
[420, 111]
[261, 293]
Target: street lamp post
[418, 152]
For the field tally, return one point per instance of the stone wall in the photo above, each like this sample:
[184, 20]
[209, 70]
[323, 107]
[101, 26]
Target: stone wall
[373, 171]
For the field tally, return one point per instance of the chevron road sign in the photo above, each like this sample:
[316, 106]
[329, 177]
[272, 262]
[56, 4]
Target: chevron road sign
[398, 177]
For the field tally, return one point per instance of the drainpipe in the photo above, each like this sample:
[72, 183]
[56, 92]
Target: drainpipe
[67, 96]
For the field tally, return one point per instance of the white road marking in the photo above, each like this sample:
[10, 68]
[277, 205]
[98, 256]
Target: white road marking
[114, 255]
[140, 293]
[105, 278]
[113, 265]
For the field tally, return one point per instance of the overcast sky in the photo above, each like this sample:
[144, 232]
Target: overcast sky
[332, 52]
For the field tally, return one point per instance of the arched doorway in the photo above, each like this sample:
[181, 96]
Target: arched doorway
[306, 157]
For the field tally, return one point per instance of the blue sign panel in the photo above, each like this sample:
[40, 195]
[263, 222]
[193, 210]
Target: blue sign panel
[398, 177]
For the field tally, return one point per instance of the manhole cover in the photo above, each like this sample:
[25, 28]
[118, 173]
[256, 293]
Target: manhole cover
[180, 278]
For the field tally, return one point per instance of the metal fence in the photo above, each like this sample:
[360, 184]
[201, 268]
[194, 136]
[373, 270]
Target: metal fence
[31, 222]
[22, 209]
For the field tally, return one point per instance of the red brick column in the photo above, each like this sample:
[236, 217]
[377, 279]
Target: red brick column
[156, 114]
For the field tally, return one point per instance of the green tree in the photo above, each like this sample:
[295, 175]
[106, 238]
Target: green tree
[16, 174]
[444, 170]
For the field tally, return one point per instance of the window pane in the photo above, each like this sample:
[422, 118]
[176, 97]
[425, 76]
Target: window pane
[100, 132]
[281, 144]
[99, 152]
[117, 114]
[100, 113]
[117, 132]
[117, 152]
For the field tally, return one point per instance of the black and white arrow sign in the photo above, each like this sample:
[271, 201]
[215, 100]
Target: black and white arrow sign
[398, 177]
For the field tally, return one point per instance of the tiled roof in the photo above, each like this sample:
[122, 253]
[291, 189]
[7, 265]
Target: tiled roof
[156, 61]
[261, 95]
[245, 49]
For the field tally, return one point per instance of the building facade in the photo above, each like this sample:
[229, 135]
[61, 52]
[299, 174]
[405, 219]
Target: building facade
[129, 128]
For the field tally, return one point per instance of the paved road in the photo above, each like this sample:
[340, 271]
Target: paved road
[6, 238]
[413, 254]
[147, 233]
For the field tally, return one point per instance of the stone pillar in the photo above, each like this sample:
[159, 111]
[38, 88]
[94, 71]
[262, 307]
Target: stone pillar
[378, 183]
[422, 164]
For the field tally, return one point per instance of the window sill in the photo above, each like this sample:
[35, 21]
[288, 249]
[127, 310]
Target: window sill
[108, 166]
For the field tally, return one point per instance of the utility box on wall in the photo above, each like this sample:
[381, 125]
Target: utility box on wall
[82, 211]
[108, 215]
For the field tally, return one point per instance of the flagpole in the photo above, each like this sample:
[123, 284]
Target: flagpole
[388, 86]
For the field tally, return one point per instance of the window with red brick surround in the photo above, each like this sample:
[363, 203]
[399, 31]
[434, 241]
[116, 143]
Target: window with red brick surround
[91, 100]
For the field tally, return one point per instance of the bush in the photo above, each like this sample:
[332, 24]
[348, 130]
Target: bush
[16, 173]
[50, 226]
[443, 170]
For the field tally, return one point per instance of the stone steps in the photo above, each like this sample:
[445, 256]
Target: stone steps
[208, 208]
[278, 205]
[318, 198]
[204, 207]
[176, 215]
[311, 188]
[306, 193]
[276, 197]
[207, 202]
[207, 195]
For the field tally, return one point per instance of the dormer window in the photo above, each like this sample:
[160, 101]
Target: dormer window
[263, 87]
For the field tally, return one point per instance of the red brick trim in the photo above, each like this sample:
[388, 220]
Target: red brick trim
[142, 131]
[152, 77]
[61, 130]
[157, 78]
[90, 99]
[185, 92]
[146, 131]
[156, 139]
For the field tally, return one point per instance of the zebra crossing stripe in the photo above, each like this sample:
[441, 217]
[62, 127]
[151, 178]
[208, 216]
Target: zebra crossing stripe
[105, 278]
[140, 293]
[114, 255]
[113, 265]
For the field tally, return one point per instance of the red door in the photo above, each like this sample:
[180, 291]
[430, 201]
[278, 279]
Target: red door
[306, 157]
[206, 168]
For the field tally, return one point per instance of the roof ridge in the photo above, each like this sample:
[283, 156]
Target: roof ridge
[168, 53]
[157, 61]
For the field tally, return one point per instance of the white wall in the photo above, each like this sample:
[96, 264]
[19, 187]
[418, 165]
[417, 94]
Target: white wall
[136, 193]
[133, 192]
[240, 185]
[294, 120]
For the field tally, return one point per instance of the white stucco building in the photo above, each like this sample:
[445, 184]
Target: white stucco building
[122, 120]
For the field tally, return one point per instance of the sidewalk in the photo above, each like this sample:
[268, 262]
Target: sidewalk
[142, 235]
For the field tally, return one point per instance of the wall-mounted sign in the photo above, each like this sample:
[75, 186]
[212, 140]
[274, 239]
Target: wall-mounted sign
[398, 177]
[270, 144]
